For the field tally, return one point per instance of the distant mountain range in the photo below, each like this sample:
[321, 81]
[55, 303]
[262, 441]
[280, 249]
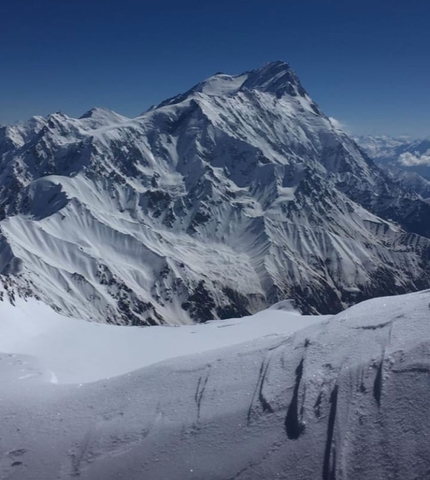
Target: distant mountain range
[216, 203]
[407, 160]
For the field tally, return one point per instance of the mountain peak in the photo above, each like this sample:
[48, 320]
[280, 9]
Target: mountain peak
[97, 112]
[272, 68]
[100, 115]
[274, 77]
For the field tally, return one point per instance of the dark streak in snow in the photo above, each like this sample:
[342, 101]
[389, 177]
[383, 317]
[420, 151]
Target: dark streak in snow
[293, 426]
[262, 399]
[377, 385]
[259, 388]
[329, 471]
[200, 390]
[317, 406]
[414, 368]
[374, 327]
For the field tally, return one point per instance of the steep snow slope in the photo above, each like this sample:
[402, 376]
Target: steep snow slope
[345, 399]
[216, 203]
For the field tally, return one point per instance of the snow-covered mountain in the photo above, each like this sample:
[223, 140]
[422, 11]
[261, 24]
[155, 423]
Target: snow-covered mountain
[383, 147]
[409, 180]
[215, 203]
[346, 398]
[407, 160]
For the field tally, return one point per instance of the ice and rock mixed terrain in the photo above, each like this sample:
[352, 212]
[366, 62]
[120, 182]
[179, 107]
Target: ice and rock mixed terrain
[276, 395]
[214, 204]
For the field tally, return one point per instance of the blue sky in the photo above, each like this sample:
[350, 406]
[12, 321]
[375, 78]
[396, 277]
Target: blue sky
[364, 62]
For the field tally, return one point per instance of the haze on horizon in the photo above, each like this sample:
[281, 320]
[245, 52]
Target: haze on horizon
[363, 62]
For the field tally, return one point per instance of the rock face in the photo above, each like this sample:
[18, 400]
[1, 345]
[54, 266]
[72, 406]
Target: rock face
[346, 399]
[216, 203]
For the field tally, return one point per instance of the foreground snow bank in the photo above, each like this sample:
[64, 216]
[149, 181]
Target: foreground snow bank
[347, 398]
[75, 351]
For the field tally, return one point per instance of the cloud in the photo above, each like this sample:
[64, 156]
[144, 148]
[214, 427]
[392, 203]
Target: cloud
[414, 159]
[337, 124]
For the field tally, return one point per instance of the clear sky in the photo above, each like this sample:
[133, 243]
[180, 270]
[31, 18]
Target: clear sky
[366, 63]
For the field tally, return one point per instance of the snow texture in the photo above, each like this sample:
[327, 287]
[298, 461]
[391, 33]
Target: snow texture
[345, 398]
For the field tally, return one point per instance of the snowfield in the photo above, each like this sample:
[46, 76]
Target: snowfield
[76, 351]
[275, 395]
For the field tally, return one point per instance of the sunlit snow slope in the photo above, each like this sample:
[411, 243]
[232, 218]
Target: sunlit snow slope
[346, 398]
[74, 351]
[214, 204]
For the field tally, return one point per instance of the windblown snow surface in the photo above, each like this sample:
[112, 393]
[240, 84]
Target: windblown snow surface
[277, 395]
[214, 204]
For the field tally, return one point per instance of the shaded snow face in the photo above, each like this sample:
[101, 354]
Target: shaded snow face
[346, 399]
[217, 203]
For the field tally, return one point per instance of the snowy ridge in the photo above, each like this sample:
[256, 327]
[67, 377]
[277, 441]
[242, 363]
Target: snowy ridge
[77, 352]
[346, 398]
[217, 203]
